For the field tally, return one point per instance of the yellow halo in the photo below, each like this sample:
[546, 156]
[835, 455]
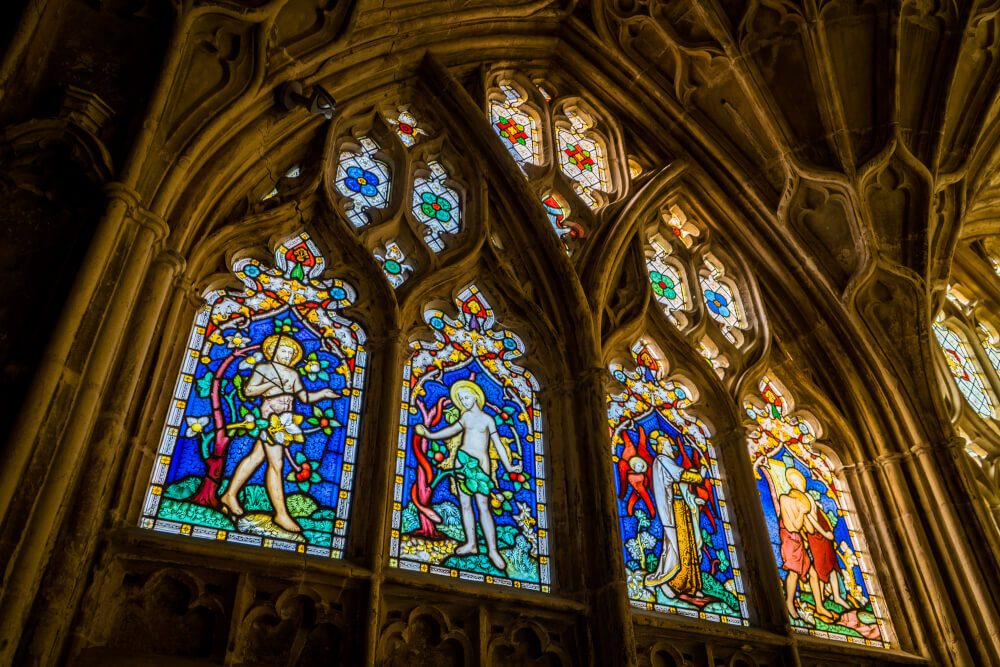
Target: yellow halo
[272, 342]
[471, 386]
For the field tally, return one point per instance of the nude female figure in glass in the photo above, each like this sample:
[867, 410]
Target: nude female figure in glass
[479, 432]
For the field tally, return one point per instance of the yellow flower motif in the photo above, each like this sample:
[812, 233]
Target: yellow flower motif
[217, 338]
[284, 428]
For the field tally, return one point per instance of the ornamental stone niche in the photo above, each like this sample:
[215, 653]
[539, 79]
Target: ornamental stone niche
[524, 333]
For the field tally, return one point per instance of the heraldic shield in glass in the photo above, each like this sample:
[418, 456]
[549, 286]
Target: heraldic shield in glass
[676, 536]
[830, 589]
[470, 477]
[259, 444]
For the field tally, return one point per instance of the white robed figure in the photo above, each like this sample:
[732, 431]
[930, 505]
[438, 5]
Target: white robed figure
[678, 571]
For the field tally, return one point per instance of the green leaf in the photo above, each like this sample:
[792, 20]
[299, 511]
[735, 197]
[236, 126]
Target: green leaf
[300, 457]
[204, 385]
[298, 274]
[508, 495]
[315, 478]
[290, 476]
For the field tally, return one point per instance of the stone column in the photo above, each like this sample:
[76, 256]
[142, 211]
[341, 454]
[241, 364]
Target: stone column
[51, 437]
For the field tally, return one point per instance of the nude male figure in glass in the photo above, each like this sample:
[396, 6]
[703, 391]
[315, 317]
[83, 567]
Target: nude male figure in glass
[479, 432]
[277, 381]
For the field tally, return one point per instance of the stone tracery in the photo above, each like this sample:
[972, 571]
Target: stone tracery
[827, 203]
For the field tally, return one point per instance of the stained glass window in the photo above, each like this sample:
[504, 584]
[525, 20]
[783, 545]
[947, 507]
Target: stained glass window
[581, 157]
[996, 265]
[437, 206]
[668, 286]
[260, 439]
[558, 212]
[393, 262]
[543, 91]
[723, 305]
[516, 126]
[991, 345]
[470, 499]
[405, 125]
[826, 571]
[964, 369]
[677, 541]
[364, 180]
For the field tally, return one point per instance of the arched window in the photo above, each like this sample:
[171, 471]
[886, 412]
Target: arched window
[964, 368]
[364, 180]
[437, 206]
[676, 537]
[580, 153]
[721, 300]
[470, 461]
[516, 125]
[665, 278]
[830, 587]
[582, 157]
[272, 380]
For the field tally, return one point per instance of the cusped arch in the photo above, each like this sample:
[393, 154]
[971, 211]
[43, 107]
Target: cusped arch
[678, 544]
[272, 379]
[819, 545]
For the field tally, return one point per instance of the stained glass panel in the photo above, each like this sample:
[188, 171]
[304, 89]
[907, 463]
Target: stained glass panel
[581, 157]
[516, 127]
[964, 369]
[830, 587]
[364, 180]
[991, 345]
[681, 227]
[723, 305]
[668, 286]
[677, 541]
[558, 212]
[259, 444]
[393, 262]
[470, 499]
[437, 206]
[406, 126]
